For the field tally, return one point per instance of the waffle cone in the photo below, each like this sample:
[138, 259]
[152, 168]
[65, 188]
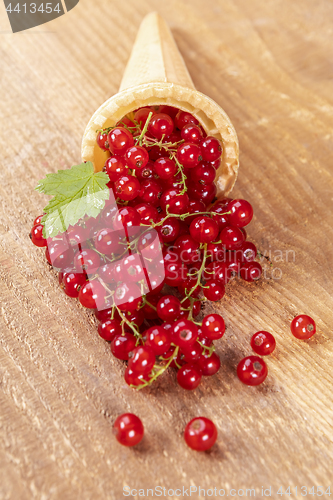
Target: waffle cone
[156, 74]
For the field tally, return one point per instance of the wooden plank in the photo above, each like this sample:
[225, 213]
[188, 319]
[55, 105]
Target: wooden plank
[269, 65]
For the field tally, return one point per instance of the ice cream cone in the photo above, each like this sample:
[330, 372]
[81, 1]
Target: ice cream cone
[156, 74]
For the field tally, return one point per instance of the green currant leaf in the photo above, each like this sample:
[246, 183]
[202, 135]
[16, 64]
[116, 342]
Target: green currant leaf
[76, 192]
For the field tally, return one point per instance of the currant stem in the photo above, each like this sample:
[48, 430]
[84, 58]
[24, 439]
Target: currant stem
[159, 372]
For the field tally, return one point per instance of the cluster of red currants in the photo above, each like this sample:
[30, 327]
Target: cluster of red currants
[166, 228]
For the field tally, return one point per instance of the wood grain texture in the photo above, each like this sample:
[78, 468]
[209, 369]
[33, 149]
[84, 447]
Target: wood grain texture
[270, 66]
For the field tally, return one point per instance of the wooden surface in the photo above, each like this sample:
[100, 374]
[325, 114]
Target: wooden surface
[270, 66]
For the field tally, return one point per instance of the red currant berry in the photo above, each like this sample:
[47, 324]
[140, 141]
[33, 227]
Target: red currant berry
[72, 283]
[251, 271]
[203, 173]
[204, 229]
[107, 241]
[136, 157]
[214, 290]
[38, 220]
[132, 269]
[211, 148]
[148, 245]
[303, 327]
[128, 429]
[200, 434]
[157, 339]
[126, 217]
[134, 378]
[232, 237]
[187, 249]
[189, 155]
[120, 139]
[165, 168]
[169, 230]
[194, 207]
[127, 187]
[102, 141]
[107, 273]
[175, 273]
[128, 297]
[217, 271]
[168, 308]
[122, 345]
[192, 353]
[141, 360]
[191, 133]
[109, 329]
[161, 125]
[141, 115]
[241, 213]
[59, 255]
[151, 191]
[252, 370]
[248, 252]
[184, 333]
[216, 252]
[146, 173]
[36, 236]
[105, 314]
[263, 343]
[208, 365]
[176, 201]
[216, 163]
[168, 110]
[87, 261]
[213, 326]
[183, 118]
[204, 192]
[147, 213]
[92, 295]
[188, 377]
[115, 167]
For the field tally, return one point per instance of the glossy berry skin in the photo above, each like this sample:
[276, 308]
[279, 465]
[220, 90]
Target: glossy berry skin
[241, 213]
[168, 308]
[102, 141]
[208, 365]
[251, 271]
[72, 283]
[215, 290]
[232, 238]
[158, 339]
[191, 133]
[213, 326]
[128, 429]
[252, 370]
[161, 124]
[127, 297]
[204, 229]
[134, 378]
[200, 434]
[203, 173]
[136, 157]
[187, 249]
[36, 236]
[263, 343]
[211, 148]
[303, 327]
[92, 295]
[189, 155]
[248, 252]
[109, 329]
[165, 168]
[169, 230]
[60, 256]
[150, 192]
[115, 167]
[194, 207]
[126, 217]
[107, 241]
[141, 359]
[193, 353]
[87, 261]
[132, 268]
[203, 192]
[177, 202]
[147, 213]
[122, 345]
[38, 220]
[120, 140]
[142, 114]
[183, 118]
[184, 333]
[188, 377]
[127, 187]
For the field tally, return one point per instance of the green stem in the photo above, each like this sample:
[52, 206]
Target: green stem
[159, 372]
